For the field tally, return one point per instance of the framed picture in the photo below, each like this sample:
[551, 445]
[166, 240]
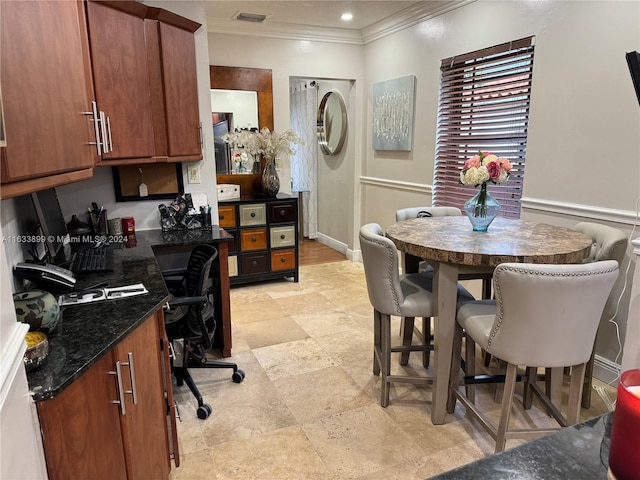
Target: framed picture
[163, 180]
[393, 110]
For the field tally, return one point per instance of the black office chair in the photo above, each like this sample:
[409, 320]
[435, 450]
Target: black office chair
[190, 321]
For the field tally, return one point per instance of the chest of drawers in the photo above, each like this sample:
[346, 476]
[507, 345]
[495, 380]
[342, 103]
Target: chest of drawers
[265, 232]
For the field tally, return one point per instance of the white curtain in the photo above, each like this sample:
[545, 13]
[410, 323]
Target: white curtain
[304, 163]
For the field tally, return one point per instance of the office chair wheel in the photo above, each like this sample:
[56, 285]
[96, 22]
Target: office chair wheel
[238, 376]
[204, 411]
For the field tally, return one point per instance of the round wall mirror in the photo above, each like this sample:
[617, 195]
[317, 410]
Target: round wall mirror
[332, 123]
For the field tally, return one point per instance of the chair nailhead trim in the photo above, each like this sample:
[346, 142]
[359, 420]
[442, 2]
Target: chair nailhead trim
[499, 313]
[390, 273]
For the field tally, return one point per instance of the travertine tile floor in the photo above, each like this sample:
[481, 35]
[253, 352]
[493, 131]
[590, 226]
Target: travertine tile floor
[309, 405]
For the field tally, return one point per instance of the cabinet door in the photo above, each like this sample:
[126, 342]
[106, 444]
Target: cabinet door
[46, 88]
[121, 77]
[180, 90]
[81, 428]
[144, 426]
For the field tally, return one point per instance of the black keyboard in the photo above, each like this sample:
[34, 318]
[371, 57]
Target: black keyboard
[92, 260]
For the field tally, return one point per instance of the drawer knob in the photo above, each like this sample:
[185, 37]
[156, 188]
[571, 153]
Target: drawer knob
[253, 214]
[282, 212]
[221, 217]
[254, 264]
[254, 239]
[283, 236]
[283, 260]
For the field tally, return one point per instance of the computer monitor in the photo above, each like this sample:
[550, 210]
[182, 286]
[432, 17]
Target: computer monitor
[51, 220]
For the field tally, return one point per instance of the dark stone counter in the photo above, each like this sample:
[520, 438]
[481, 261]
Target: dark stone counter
[580, 452]
[87, 332]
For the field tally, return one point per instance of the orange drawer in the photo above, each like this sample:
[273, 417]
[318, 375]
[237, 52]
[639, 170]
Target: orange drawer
[227, 216]
[255, 239]
[283, 260]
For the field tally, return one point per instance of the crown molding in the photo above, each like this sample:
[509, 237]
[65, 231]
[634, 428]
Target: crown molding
[395, 23]
[283, 31]
[409, 17]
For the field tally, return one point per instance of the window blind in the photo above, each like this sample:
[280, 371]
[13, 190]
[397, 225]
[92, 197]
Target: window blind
[484, 105]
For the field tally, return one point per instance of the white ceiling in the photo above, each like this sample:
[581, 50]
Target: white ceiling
[323, 13]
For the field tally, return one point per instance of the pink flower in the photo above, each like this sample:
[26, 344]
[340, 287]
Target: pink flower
[494, 170]
[473, 162]
[504, 163]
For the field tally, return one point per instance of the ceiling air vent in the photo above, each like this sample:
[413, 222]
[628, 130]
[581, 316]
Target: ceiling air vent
[251, 17]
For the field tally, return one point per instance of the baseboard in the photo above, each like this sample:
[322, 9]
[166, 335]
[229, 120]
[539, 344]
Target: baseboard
[353, 255]
[605, 370]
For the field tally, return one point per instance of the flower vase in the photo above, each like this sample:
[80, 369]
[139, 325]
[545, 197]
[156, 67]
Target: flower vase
[270, 179]
[481, 209]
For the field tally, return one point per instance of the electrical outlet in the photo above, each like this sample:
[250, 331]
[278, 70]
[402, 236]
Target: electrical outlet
[194, 173]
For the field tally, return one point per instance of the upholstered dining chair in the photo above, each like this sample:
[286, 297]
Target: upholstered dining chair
[467, 272]
[390, 293]
[543, 316]
[608, 244]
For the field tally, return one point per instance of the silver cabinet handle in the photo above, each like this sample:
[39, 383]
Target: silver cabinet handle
[96, 127]
[103, 126]
[118, 374]
[109, 134]
[200, 134]
[132, 376]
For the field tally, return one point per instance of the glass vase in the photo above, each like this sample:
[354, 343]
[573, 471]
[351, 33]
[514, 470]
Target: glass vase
[481, 209]
[270, 179]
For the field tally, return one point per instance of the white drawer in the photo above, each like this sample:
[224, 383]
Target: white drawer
[233, 266]
[283, 236]
[253, 214]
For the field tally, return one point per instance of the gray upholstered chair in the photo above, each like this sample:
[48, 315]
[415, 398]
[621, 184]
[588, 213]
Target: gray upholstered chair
[390, 293]
[608, 244]
[467, 272]
[543, 316]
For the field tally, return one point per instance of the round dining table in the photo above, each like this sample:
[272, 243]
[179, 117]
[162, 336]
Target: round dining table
[448, 242]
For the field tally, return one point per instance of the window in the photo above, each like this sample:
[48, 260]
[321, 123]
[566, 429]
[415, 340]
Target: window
[484, 105]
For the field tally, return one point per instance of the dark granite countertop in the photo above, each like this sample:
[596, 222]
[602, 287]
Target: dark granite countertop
[87, 332]
[580, 451]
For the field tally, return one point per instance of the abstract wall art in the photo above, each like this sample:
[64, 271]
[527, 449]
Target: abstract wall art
[393, 109]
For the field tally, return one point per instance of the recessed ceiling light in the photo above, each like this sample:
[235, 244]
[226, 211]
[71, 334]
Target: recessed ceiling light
[347, 16]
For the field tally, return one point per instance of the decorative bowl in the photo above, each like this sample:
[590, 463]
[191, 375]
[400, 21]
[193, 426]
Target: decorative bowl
[38, 309]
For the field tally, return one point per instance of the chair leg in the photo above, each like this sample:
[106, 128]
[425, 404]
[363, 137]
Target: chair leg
[575, 393]
[407, 336]
[588, 380]
[377, 343]
[454, 376]
[470, 367]
[385, 360]
[505, 410]
[183, 374]
[527, 396]
[426, 340]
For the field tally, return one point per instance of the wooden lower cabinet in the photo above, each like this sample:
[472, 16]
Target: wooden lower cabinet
[86, 434]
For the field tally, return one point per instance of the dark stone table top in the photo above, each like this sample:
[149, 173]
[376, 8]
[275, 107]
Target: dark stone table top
[577, 452]
[87, 332]
[451, 239]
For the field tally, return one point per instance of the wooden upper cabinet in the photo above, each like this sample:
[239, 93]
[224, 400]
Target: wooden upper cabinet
[181, 90]
[144, 65]
[46, 90]
[121, 78]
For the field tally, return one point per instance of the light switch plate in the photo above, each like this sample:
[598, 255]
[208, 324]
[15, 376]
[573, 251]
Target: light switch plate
[194, 173]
